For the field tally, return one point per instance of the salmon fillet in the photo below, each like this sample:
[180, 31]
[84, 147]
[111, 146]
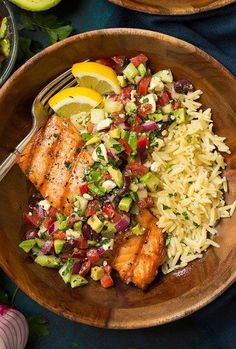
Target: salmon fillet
[137, 258]
[51, 161]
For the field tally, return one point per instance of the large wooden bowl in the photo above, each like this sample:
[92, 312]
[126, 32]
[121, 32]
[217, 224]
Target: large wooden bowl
[170, 297]
[172, 7]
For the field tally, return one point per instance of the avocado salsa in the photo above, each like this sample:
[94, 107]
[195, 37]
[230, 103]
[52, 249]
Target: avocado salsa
[120, 136]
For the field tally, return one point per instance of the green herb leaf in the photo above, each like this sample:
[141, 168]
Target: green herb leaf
[165, 207]
[196, 225]
[185, 215]
[38, 326]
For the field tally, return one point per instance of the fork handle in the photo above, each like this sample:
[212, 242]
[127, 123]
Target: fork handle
[8, 164]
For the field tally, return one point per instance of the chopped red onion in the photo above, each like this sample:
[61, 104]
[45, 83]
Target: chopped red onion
[149, 126]
[143, 154]
[111, 154]
[40, 212]
[122, 224]
[14, 329]
[100, 251]
[47, 246]
[77, 266]
[31, 235]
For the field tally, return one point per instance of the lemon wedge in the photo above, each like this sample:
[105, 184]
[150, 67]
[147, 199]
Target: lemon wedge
[74, 100]
[101, 78]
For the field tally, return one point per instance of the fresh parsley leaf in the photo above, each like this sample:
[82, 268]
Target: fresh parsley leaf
[38, 326]
[185, 215]
[27, 48]
[169, 236]
[196, 225]
[68, 165]
[4, 297]
[165, 207]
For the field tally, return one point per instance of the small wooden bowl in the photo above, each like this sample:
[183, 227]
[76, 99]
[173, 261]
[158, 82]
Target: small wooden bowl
[172, 7]
[172, 296]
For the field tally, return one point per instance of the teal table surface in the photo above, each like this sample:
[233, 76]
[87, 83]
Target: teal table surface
[213, 327]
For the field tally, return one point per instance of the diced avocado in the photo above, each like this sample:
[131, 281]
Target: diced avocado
[142, 69]
[116, 175]
[165, 75]
[108, 185]
[135, 209]
[167, 109]
[142, 194]
[133, 141]
[47, 261]
[122, 80]
[95, 139]
[97, 115]
[78, 226]
[77, 281]
[95, 223]
[151, 181]
[58, 246]
[115, 133]
[32, 5]
[97, 273]
[63, 225]
[137, 230]
[108, 230]
[3, 28]
[125, 204]
[179, 115]
[156, 117]
[35, 250]
[133, 187]
[130, 71]
[39, 242]
[66, 270]
[6, 47]
[27, 245]
[92, 243]
[112, 143]
[81, 203]
[95, 190]
[131, 108]
[125, 135]
[60, 217]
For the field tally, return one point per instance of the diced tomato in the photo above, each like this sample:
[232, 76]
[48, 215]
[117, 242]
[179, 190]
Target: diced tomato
[48, 222]
[83, 188]
[143, 85]
[145, 203]
[125, 93]
[108, 269]
[83, 243]
[140, 59]
[176, 105]
[108, 211]
[163, 99]
[107, 176]
[106, 61]
[92, 208]
[144, 110]
[119, 60]
[117, 217]
[137, 168]
[136, 127]
[142, 143]
[90, 127]
[86, 266]
[126, 146]
[60, 235]
[52, 212]
[33, 219]
[93, 256]
[106, 281]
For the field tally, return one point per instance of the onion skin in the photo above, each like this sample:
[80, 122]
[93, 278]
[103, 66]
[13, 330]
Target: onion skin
[14, 330]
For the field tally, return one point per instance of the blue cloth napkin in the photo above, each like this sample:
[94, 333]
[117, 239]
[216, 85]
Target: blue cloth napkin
[213, 327]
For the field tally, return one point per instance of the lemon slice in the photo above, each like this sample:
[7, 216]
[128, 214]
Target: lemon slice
[74, 100]
[101, 78]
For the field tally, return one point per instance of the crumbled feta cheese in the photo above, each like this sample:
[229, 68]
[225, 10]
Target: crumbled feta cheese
[30, 213]
[151, 98]
[42, 231]
[102, 125]
[109, 245]
[87, 196]
[97, 115]
[108, 185]
[172, 117]
[156, 84]
[104, 263]
[133, 96]
[100, 154]
[147, 163]
[154, 167]
[44, 204]
[164, 133]
[71, 234]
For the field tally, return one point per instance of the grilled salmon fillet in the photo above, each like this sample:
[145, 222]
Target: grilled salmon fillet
[53, 163]
[137, 258]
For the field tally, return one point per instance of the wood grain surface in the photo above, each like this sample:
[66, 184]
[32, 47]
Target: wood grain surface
[172, 7]
[172, 296]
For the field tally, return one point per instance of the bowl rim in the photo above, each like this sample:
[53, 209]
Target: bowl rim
[15, 40]
[212, 291]
[150, 9]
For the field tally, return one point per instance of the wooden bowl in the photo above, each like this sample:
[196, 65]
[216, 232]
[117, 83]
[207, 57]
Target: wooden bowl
[122, 307]
[172, 7]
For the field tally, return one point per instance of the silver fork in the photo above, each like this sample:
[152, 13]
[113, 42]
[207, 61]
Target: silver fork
[40, 114]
